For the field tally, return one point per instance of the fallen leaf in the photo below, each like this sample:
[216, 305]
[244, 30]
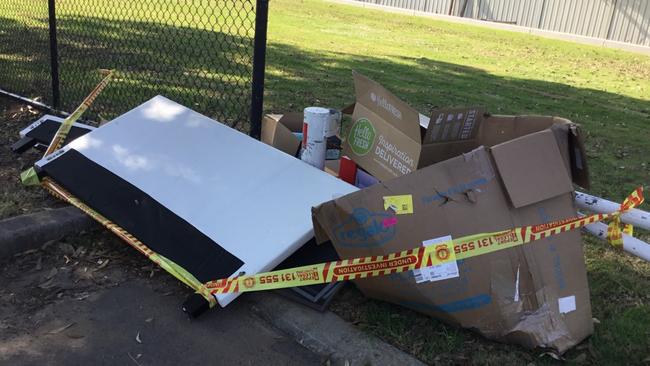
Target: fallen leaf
[51, 273]
[75, 336]
[102, 264]
[133, 359]
[137, 338]
[61, 329]
[27, 252]
[596, 321]
[552, 355]
[47, 284]
[149, 320]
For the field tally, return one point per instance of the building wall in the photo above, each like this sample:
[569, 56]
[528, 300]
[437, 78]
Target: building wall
[617, 20]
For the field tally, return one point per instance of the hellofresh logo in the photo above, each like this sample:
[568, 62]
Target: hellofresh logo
[362, 137]
[364, 229]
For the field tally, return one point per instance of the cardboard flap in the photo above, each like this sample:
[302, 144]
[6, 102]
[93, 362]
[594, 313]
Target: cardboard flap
[292, 121]
[277, 131]
[387, 106]
[319, 233]
[348, 109]
[454, 124]
[532, 168]
[579, 168]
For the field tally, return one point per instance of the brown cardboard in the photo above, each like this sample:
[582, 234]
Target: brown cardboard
[521, 170]
[277, 131]
[388, 138]
[511, 295]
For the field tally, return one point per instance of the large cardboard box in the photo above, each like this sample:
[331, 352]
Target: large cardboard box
[388, 138]
[513, 171]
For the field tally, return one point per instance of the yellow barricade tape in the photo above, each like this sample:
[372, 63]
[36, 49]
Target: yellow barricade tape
[408, 260]
[66, 125]
[29, 176]
[168, 265]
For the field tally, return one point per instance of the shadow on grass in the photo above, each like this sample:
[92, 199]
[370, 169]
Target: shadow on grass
[205, 70]
[24, 55]
[615, 126]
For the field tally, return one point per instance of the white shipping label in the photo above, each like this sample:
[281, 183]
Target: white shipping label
[438, 272]
[566, 304]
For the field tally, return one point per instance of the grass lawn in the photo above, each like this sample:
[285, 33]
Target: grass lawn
[312, 48]
[314, 45]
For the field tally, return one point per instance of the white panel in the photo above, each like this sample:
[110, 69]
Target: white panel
[254, 200]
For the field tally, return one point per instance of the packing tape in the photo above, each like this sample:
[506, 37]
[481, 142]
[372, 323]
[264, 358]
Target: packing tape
[408, 260]
[66, 125]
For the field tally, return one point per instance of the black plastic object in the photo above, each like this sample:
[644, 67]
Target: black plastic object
[23, 145]
[44, 133]
[195, 305]
[314, 296]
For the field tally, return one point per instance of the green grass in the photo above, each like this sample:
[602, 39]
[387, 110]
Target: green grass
[314, 45]
[312, 48]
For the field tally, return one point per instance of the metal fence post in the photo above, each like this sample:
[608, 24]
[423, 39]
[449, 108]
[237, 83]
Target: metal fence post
[541, 15]
[259, 63]
[54, 55]
[611, 21]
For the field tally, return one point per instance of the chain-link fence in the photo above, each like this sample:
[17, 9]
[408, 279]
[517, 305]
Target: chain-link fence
[196, 52]
[24, 48]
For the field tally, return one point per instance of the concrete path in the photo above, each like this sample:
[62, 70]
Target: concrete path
[133, 324]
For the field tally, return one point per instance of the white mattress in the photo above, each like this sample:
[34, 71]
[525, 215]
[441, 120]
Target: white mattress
[254, 200]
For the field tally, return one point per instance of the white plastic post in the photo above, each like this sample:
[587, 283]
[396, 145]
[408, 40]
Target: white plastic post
[635, 217]
[631, 244]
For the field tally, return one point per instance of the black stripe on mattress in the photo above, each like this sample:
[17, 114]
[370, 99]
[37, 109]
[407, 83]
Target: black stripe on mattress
[143, 217]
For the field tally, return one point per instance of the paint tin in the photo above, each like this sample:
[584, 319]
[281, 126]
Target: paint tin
[316, 124]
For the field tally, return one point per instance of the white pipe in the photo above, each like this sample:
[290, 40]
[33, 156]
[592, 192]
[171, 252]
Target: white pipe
[631, 244]
[636, 217]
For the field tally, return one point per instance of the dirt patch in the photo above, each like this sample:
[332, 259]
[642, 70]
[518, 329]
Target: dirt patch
[16, 199]
[73, 268]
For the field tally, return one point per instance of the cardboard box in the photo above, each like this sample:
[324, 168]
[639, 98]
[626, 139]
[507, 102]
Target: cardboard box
[278, 131]
[520, 173]
[388, 138]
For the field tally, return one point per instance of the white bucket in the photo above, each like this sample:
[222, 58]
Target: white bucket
[316, 124]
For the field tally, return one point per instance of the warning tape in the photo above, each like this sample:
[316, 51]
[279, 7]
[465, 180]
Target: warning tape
[66, 125]
[168, 265]
[408, 260]
[350, 269]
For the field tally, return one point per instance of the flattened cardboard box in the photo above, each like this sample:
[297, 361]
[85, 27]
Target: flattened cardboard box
[389, 138]
[534, 295]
